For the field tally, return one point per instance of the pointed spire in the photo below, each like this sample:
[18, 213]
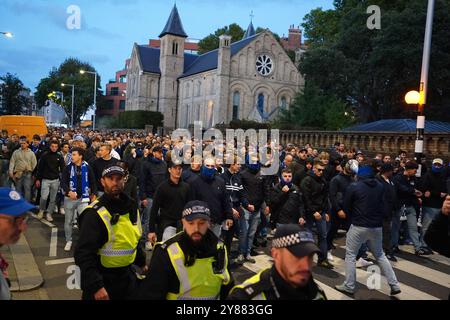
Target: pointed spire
[174, 25]
[250, 31]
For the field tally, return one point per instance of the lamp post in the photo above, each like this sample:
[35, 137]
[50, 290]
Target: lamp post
[7, 34]
[73, 95]
[420, 98]
[95, 94]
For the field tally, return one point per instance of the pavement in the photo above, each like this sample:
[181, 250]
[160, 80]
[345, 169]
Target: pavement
[40, 269]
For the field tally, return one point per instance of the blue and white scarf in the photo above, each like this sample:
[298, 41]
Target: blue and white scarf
[84, 180]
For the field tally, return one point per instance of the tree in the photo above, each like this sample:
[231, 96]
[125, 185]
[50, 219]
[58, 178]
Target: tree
[211, 42]
[69, 73]
[316, 110]
[373, 69]
[13, 101]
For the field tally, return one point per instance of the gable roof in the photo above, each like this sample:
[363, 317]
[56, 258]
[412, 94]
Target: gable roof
[174, 26]
[209, 60]
[150, 58]
[400, 125]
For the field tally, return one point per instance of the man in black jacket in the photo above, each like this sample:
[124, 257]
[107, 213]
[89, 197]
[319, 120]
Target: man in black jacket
[235, 194]
[391, 206]
[169, 200]
[99, 165]
[255, 193]
[338, 186]
[364, 205]
[315, 196]
[409, 197]
[286, 201]
[153, 173]
[210, 188]
[300, 170]
[434, 191]
[108, 244]
[49, 168]
[438, 235]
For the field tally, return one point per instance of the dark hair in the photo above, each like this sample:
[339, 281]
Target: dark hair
[123, 164]
[36, 137]
[286, 170]
[80, 151]
[64, 143]
[54, 142]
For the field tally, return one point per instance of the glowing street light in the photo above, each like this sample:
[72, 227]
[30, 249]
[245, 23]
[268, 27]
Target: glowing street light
[412, 97]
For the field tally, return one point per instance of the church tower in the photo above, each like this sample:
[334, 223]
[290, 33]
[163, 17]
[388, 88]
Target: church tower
[172, 66]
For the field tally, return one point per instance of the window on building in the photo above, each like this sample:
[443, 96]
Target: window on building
[213, 86]
[283, 103]
[261, 103]
[187, 88]
[175, 48]
[122, 105]
[123, 79]
[199, 88]
[236, 104]
[114, 91]
[210, 114]
[109, 104]
[186, 116]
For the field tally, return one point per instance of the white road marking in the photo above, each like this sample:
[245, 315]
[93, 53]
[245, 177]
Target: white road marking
[434, 257]
[408, 293]
[53, 242]
[423, 272]
[59, 261]
[51, 225]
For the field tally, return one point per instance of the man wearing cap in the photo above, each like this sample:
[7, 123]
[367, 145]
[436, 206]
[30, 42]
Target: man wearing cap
[108, 245]
[409, 199]
[13, 216]
[290, 277]
[170, 198]
[363, 203]
[434, 191]
[193, 265]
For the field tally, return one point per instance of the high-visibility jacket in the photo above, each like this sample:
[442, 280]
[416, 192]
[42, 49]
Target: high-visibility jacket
[123, 239]
[199, 281]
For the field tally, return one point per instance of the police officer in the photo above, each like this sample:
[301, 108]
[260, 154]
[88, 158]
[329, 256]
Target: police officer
[13, 216]
[290, 277]
[193, 265]
[108, 245]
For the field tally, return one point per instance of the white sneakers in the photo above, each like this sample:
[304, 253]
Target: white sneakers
[330, 256]
[40, 215]
[49, 217]
[362, 263]
[62, 211]
[68, 246]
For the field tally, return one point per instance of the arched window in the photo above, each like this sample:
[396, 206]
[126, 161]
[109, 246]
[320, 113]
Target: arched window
[186, 116]
[283, 103]
[236, 104]
[261, 103]
[213, 86]
[210, 114]
[199, 88]
[187, 88]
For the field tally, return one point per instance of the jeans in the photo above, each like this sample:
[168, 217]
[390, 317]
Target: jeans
[428, 215]
[248, 223]
[70, 206]
[322, 229]
[356, 236]
[48, 188]
[23, 186]
[412, 227]
[168, 233]
[146, 218]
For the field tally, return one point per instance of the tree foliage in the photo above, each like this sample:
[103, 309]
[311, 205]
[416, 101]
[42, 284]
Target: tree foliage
[372, 70]
[69, 73]
[137, 120]
[14, 103]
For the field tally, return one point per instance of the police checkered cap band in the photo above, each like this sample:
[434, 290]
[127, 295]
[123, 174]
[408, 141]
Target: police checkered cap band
[293, 239]
[113, 169]
[195, 210]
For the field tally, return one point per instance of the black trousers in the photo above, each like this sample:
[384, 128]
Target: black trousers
[120, 286]
[335, 224]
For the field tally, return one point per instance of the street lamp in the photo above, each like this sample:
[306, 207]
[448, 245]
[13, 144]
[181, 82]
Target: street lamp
[73, 95]
[7, 34]
[95, 94]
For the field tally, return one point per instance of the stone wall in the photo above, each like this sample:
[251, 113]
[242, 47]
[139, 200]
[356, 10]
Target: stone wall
[435, 144]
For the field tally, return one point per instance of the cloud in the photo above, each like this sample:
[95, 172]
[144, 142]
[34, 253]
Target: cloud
[56, 14]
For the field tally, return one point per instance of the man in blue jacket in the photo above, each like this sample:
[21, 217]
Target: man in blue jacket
[363, 202]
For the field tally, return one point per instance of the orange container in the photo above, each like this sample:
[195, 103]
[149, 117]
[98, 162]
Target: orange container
[24, 125]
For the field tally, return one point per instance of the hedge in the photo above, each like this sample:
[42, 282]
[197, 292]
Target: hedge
[137, 120]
